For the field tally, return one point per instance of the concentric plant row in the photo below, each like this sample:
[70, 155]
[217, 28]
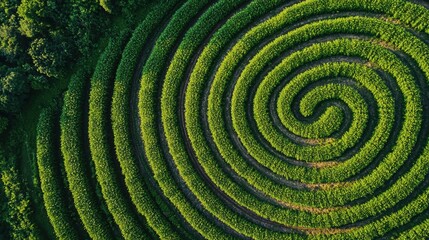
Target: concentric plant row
[247, 119]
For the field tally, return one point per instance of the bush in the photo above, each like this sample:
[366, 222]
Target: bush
[18, 206]
[3, 124]
[75, 164]
[99, 146]
[47, 162]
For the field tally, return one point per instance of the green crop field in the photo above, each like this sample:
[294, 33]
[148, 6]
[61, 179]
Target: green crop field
[228, 119]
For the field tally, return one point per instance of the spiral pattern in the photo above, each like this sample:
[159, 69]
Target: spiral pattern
[267, 120]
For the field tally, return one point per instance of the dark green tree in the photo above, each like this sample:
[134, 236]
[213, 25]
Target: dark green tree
[13, 85]
[3, 124]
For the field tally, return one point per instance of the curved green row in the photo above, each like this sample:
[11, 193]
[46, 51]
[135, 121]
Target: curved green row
[221, 181]
[302, 173]
[254, 66]
[147, 105]
[419, 231]
[120, 115]
[364, 186]
[158, 159]
[75, 163]
[329, 121]
[194, 97]
[217, 126]
[213, 47]
[53, 196]
[98, 129]
[365, 78]
[407, 134]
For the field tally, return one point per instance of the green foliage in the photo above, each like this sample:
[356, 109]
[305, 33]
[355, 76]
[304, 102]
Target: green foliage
[50, 178]
[13, 85]
[48, 57]
[230, 119]
[121, 118]
[3, 124]
[170, 108]
[19, 210]
[76, 165]
[99, 144]
[11, 39]
[33, 16]
[152, 73]
[42, 39]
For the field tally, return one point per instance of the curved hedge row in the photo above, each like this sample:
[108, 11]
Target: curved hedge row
[121, 119]
[50, 179]
[98, 130]
[76, 164]
[252, 120]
